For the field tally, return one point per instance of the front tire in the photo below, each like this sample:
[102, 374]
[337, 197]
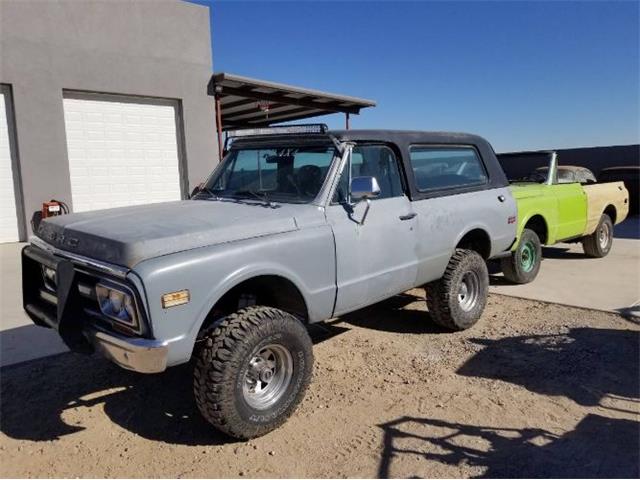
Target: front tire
[523, 265]
[598, 244]
[457, 300]
[252, 371]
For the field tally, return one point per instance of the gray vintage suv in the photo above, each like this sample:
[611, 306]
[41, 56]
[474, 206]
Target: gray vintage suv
[295, 226]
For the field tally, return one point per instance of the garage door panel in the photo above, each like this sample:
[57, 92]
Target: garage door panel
[126, 153]
[8, 212]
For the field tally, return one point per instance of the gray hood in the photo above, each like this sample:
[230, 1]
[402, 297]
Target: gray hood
[126, 236]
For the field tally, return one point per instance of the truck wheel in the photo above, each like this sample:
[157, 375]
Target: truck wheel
[598, 244]
[457, 300]
[523, 265]
[252, 370]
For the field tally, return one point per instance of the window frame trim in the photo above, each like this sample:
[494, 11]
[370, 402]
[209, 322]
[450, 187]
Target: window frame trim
[397, 154]
[227, 159]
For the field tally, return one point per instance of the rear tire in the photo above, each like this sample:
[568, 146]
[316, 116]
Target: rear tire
[598, 244]
[457, 300]
[252, 371]
[523, 265]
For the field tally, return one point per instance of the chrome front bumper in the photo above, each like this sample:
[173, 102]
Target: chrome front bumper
[138, 354]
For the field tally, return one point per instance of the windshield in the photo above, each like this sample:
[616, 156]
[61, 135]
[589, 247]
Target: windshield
[523, 167]
[539, 175]
[284, 174]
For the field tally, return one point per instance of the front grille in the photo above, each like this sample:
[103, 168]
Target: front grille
[70, 300]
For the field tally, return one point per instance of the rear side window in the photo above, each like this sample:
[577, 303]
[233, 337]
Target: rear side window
[438, 168]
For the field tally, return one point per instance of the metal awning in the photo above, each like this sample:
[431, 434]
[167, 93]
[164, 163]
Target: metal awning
[244, 102]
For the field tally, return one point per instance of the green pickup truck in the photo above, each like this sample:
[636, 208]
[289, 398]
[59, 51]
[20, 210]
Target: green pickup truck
[560, 204]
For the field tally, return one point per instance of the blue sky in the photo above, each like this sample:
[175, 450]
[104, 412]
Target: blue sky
[524, 75]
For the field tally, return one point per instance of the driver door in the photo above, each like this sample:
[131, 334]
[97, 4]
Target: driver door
[375, 259]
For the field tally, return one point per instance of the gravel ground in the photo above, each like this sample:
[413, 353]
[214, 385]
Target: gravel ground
[533, 390]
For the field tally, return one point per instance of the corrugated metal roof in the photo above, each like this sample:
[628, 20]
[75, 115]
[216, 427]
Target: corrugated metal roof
[243, 99]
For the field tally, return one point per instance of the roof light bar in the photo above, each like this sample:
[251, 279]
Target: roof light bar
[282, 130]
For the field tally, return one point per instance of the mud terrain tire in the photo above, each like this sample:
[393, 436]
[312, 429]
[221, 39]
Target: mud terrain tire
[252, 370]
[457, 300]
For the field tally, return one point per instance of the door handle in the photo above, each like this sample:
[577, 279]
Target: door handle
[501, 198]
[408, 216]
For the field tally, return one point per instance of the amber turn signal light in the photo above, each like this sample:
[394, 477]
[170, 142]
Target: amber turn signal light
[174, 299]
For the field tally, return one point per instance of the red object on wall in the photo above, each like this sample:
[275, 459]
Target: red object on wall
[51, 209]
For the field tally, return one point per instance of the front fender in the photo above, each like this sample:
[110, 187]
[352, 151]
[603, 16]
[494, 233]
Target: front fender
[244, 273]
[522, 222]
[304, 257]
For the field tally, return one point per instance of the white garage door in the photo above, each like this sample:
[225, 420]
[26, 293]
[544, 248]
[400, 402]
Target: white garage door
[121, 153]
[8, 214]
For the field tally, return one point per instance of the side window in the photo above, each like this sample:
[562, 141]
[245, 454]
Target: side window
[437, 168]
[585, 177]
[566, 176]
[372, 161]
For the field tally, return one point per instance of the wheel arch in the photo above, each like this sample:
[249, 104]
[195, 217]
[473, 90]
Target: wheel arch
[476, 239]
[537, 223]
[265, 286]
[612, 212]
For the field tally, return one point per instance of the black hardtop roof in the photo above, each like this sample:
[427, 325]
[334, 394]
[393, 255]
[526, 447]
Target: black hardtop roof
[403, 136]
[403, 140]
[400, 137]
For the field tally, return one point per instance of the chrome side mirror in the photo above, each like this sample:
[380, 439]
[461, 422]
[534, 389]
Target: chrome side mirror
[364, 188]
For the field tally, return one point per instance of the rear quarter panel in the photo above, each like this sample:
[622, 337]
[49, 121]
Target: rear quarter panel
[443, 222]
[599, 197]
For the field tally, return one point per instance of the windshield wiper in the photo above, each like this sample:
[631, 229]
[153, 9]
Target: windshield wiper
[263, 198]
[204, 189]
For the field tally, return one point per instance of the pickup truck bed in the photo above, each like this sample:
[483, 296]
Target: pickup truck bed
[603, 196]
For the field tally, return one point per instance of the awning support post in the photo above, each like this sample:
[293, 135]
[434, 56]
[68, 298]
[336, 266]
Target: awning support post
[346, 120]
[219, 126]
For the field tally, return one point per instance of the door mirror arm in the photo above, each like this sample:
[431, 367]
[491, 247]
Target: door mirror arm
[362, 190]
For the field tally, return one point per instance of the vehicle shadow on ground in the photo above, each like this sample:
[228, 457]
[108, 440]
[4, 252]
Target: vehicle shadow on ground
[597, 447]
[585, 364]
[561, 251]
[496, 278]
[391, 315]
[593, 367]
[37, 394]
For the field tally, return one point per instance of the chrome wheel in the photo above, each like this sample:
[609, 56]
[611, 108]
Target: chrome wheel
[268, 376]
[469, 291]
[604, 235]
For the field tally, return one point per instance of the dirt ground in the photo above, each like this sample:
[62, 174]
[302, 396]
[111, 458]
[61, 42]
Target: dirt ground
[533, 390]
